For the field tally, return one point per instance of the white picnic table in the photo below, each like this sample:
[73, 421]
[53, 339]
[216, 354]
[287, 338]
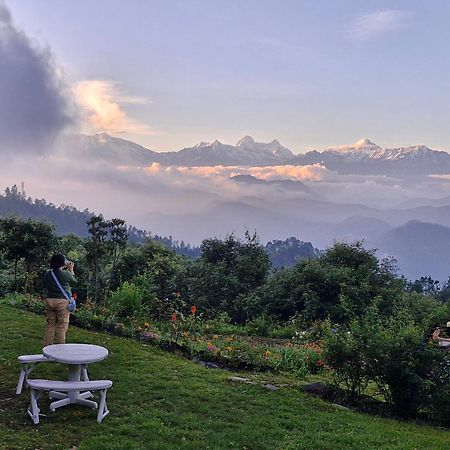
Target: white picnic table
[74, 356]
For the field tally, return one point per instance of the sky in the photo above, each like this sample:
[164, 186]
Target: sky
[171, 73]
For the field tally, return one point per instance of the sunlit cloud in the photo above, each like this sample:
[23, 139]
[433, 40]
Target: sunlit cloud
[315, 172]
[372, 25]
[103, 102]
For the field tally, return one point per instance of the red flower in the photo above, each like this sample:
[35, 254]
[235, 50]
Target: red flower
[173, 317]
[193, 309]
[75, 296]
[320, 363]
[178, 294]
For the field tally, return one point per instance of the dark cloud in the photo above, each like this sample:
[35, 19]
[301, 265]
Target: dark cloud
[33, 105]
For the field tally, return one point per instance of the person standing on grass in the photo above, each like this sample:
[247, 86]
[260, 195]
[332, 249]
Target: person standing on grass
[56, 304]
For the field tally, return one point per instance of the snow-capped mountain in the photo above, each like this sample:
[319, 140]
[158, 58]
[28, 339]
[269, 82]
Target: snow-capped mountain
[364, 147]
[362, 157]
[273, 151]
[105, 149]
[247, 152]
[366, 157]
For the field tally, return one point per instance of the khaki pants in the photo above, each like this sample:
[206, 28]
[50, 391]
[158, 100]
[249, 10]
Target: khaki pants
[57, 321]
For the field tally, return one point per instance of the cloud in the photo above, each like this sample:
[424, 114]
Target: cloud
[315, 172]
[372, 25]
[103, 100]
[34, 106]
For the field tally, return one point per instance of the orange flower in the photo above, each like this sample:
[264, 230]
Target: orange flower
[193, 309]
[173, 317]
[212, 348]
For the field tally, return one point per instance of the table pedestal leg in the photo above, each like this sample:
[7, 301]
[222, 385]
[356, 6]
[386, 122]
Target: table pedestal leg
[57, 395]
[72, 396]
[74, 375]
[59, 403]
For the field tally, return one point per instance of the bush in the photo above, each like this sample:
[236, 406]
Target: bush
[390, 353]
[339, 285]
[345, 353]
[260, 326]
[127, 302]
[28, 301]
[439, 400]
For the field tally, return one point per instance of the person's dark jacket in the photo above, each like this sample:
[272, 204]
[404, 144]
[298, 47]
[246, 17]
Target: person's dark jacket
[66, 279]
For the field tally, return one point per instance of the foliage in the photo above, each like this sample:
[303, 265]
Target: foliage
[26, 301]
[126, 302]
[339, 285]
[289, 252]
[392, 354]
[226, 271]
[424, 285]
[96, 249]
[28, 241]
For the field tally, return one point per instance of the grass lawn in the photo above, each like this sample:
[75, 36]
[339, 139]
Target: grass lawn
[161, 401]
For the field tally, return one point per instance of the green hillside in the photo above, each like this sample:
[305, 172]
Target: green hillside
[161, 401]
[69, 220]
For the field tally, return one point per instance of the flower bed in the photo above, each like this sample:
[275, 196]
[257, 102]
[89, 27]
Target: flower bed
[188, 334]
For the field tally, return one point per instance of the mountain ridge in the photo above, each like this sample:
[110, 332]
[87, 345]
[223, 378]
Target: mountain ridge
[364, 157]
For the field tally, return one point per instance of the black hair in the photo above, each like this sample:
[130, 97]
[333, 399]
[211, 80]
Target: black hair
[57, 261]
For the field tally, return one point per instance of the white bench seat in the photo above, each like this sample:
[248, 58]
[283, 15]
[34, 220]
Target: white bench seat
[37, 386]
[66, 386]
[29, 362]
[29, 359]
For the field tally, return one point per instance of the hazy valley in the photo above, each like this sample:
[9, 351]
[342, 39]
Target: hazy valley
[397, 200]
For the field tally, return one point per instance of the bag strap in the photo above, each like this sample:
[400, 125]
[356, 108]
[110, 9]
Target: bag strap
[64, 292]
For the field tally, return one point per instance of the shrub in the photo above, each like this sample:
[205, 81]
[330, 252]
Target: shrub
[260, 326]
[439, 399]
[28, 301]
[127, 301]
[390, 353]
[345, 353]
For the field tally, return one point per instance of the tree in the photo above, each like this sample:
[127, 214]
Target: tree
[96, 248]
[26, 240]
[289, 252]
[425, 285]
[118, 236]
[227, 270]
[339, 285]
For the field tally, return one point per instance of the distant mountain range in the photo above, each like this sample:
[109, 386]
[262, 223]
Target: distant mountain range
[416, 232]
[70, 220]
[418, 245]
[420, 248]
[366, 157]
[286, 185]
[363, 157]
